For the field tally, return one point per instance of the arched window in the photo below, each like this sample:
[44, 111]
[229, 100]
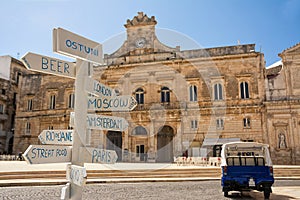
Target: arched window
[244, 90]
[193, 93]
[218, 91]
[139, 130]
[139, 95]
[165, 95]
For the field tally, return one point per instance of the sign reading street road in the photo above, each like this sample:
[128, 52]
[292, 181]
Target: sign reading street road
[95, 155]
[118, 103]
[76, 174]
[63, 137]
[102, 122]
[73, 45]
[49, 65]
[98, 89]
[39, 154]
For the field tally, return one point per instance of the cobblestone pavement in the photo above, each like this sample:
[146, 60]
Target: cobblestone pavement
[204, 190]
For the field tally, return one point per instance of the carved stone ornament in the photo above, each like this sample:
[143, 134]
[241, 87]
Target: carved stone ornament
[140, 19]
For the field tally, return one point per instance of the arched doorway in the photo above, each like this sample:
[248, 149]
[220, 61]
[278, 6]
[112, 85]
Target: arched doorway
[165, 144]
[114, 142]
[140, 142]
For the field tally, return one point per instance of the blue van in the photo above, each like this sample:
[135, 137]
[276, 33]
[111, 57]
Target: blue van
[246, 166]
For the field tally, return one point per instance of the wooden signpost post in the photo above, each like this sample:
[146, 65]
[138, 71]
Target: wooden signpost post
[85, 51]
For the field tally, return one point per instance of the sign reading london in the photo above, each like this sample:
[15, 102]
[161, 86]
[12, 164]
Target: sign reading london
[48, 65]
[96, 88]
[39, 154]
[64, 137]
[102, 122]
[73, 45]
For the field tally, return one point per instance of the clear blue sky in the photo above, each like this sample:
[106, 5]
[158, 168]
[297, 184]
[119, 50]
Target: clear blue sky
[273, 25]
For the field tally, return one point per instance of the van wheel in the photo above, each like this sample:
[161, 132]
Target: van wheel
[267, 193]
[226, 194]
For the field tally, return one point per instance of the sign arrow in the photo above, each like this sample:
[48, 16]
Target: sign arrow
[98, 89]
[102, 122]
[48, 65]
[118, 103]
[95, 155]
[76, 46]
[63, 137]
[39, 154]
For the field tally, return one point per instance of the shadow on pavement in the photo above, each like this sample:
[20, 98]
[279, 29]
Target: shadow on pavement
[257, 195]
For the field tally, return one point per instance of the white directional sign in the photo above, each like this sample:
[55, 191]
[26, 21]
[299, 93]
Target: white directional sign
[98, 89]
[49, 65]
[102, 122]
[118, 103]
[73, 45]
[76, 174]
[63, 137]
[95, 155]
[39, 154]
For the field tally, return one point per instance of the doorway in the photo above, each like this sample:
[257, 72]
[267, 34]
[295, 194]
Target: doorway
[165, 144]
[114, 142]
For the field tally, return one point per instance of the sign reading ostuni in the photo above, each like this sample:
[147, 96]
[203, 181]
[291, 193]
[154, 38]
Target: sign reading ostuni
[73, 45]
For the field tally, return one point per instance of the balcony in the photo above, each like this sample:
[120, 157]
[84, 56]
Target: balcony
[3, 116]
[2, 133]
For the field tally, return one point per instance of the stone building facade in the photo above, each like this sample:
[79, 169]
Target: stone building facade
[11, 73]
[188, 100]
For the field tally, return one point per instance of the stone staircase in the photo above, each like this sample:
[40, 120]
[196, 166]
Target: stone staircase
[57, 177]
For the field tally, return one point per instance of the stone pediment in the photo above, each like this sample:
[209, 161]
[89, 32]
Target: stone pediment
[293, 49]
[140, 20]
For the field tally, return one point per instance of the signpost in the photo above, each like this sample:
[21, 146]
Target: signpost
[39, 154]
[86, 51]
[49, 65]
[118, 103]
[103, 122]
[63, 137]
[95, 155]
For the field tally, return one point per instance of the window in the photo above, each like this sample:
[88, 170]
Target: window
[71, 100]
[3, 91]
[139, 96]
[27, 128]
[218, 93]
[52, 102]
[194, 124]
[1, 109]
[165, 95]
[244, 90]
[139, 130]
[29, 104]
[220, 123]
[246, 122]
[50, 127]
[193, 93]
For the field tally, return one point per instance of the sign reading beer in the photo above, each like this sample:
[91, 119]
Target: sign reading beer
[49, 65]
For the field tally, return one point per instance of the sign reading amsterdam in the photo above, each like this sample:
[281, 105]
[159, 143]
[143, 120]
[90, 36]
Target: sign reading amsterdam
[64, 137]
[118, 103]
[73, 45]
[38, 154]
[49, 65]
[102, 122]
[95, 155]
